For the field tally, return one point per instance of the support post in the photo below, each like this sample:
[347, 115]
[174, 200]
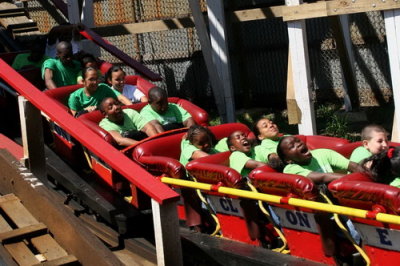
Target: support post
[220, 53]
[301, 72]
[216, 83]
[73, 11]
[87, 18]
[166, 232]
[392, 24]
[32, 137]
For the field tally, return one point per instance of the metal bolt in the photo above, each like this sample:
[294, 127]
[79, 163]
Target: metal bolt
[353, 1]
[373, 5]
[335, 10]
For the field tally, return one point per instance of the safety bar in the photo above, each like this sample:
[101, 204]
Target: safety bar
[122, 164]
[318, 206]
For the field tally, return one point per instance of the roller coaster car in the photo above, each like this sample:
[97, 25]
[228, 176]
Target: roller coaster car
[64, 145]
[381, 241]
[161, 156]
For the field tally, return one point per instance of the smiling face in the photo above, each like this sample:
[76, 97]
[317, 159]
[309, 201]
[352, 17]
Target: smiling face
[90, 81]
[377, 143]
[295, 151]
[239, 142]
[267, 129]
[202, 141]
[111, 108]
[117, 80]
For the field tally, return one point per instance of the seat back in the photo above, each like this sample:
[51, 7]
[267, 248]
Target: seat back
[322, 142]
[283, 184]
[9, 57]
[358, 191]
[61, 94]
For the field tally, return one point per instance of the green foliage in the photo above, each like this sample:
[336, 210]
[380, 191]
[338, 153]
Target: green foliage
[336, 126]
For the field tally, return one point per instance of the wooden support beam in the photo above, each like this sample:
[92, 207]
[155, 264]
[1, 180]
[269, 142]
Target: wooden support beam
[301, 73]
[206, 48]
[392, 24]
[220, 54]
[166, 232]
[32, 137]
[87, 18]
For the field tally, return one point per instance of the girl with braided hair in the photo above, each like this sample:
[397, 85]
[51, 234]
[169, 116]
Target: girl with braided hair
[199, 142]
[384, 167]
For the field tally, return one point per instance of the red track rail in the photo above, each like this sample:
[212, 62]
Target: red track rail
[118, 161]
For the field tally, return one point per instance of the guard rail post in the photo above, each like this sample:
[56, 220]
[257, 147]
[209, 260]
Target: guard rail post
[32, 138]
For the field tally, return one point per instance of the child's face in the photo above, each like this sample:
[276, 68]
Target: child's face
[117, 80]
[202, 141]
[112, 109]
[91, 81]
[160, 105]
[239, 142]
[267, 129]
[295, 151]
[377, 143]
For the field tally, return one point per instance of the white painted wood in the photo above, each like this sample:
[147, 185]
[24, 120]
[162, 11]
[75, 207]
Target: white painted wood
[392, 23]
[87, 18]
[166, 233]
[301, 72]
[220, 53]
[32, 137]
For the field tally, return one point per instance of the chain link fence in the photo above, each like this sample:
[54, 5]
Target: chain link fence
[258, 51]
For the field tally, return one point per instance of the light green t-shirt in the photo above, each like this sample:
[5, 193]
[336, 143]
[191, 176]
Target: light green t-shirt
[359, 154]
[22, 60]
[238, 160]
[222, 145]
[266, 147]
[323, 161]
[174, 114]
[78, 100]
[395, 182]
[187, 150]
[132, 121]
[62, 75]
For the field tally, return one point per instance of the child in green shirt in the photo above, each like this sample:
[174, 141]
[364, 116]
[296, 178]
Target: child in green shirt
[197, 143]
[318, 165]
[374, 140]
[242, 158]
[384, 167]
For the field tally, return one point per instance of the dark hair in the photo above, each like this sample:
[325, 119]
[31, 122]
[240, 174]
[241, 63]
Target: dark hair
[366, 132]
[384, 165]
[196, 130]
[279, 150]
[112, 69]
[100, 106]
[86, 70]
[87, 58]
[157, 93]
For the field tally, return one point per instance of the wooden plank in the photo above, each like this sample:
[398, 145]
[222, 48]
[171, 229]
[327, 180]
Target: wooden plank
[257, 13]
[46, 245]
[24, 232]
[18, 213]
[21, 253]
[301, 73]
[15, 149]
[166, 233]
[335, 8]
[392, 26]
[5, 257]
[4, 226]
[48, 205]
[61, 261]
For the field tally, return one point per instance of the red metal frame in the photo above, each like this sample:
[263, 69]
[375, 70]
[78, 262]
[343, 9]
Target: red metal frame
[122, 164]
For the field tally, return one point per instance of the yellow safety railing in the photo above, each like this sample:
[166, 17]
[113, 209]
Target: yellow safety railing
[318, 206]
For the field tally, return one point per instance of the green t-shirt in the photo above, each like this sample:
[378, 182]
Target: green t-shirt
[22, 60]
[222, 145]
[174, 114]
[323, 161]
[266, 147]
[187, 150]
[359, 154]
[62, 75]
[238, 160]
[78, 100]
[395, 182]
[132, 121]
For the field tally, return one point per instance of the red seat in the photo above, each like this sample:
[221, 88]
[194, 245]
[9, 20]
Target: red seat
[322, 142]
[380, 240]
